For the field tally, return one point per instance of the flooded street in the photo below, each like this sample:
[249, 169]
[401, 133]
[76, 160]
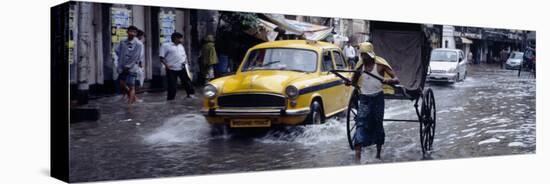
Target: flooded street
[491, 113]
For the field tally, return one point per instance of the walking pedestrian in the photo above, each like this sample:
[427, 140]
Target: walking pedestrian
[173, 57]
[470, 57]
[129, 53]
[141, 72]
[503, 57]
[349, 52]
[141, 36]
[369, 122]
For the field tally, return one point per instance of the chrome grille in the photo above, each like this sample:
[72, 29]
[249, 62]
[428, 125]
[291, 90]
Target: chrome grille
[439, 71]
[252, 100]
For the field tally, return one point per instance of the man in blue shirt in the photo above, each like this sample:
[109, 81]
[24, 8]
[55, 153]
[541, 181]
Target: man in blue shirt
[129, 53]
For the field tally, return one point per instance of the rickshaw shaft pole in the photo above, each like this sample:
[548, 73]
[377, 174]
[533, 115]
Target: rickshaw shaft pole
[366, 72]
[402, 120]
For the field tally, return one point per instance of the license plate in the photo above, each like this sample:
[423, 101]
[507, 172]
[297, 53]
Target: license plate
[244, 123]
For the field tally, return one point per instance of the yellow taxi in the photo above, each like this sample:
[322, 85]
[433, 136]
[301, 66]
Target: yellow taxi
[284, 82]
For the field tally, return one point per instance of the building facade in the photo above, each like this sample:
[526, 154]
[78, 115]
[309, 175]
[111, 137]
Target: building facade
[96, 28]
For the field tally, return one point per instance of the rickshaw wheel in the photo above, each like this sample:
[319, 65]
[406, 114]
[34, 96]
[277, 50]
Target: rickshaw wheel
[427, 121]
[351, 117]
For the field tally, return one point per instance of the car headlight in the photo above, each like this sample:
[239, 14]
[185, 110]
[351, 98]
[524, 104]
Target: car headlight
[210, 91]
[291, 92]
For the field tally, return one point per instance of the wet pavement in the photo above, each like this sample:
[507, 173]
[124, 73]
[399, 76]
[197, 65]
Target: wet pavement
[491, 113]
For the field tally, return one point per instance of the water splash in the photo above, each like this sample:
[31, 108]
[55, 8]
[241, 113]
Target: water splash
[332, 131]
[188, 128]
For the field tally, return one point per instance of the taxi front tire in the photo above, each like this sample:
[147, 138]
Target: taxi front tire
[316, 114]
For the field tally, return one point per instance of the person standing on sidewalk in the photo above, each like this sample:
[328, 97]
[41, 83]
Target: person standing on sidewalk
[209, 58]
[173, 57]
[349, 51]
[130, 53]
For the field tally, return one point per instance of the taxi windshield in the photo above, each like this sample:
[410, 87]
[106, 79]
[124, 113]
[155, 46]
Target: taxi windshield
[299, 60]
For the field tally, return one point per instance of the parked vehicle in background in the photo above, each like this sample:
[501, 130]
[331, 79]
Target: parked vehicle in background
[447, 65]
[515, 61]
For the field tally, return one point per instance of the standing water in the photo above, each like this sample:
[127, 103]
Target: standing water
[491, 113]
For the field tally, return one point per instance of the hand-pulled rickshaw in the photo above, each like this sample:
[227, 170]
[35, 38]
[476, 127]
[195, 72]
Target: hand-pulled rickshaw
[406, 48]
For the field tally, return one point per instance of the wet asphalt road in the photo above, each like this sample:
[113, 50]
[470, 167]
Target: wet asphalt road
[491, 113]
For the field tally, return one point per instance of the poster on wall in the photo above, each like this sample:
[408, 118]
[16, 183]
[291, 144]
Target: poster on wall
[121, 18]
[167, 24]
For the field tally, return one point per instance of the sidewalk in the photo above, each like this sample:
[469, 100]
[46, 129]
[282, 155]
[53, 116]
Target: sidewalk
[495, 68]
[150, 105]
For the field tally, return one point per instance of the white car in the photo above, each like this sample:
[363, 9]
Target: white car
[514, 61]
[447, 65]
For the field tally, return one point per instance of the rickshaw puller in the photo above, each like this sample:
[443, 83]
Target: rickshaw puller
[370, 115]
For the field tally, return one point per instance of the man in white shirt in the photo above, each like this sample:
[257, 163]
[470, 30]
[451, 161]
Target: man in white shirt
[349, 52]
[140, 73]
[173, 57]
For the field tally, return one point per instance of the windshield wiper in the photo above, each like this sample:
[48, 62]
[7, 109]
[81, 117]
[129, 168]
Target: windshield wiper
[270, 63]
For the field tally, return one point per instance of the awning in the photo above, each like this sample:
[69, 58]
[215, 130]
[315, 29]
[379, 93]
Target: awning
[265, 31]
[308, 30]
[466, 40]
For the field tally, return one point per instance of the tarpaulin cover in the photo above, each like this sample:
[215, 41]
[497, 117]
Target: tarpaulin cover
[265, 31]
[309, 31]
[403, 51]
